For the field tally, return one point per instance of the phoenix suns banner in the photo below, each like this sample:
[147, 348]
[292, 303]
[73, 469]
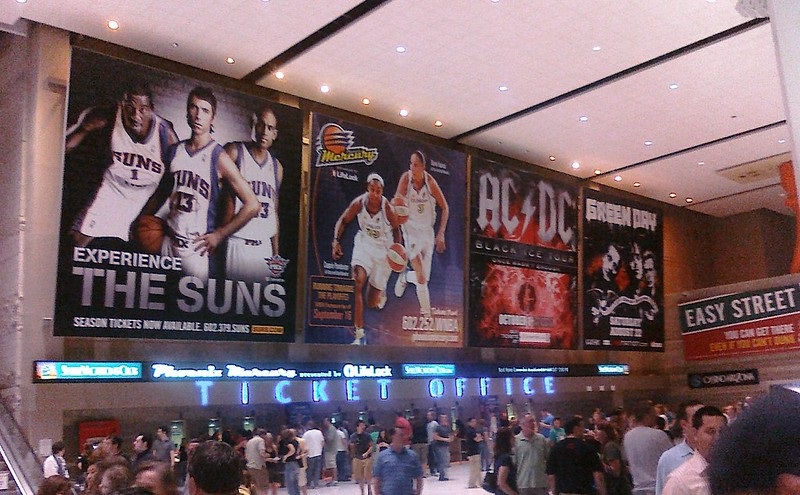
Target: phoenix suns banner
[179, 214]
[622, 283]
[386, 239]
[523, 259]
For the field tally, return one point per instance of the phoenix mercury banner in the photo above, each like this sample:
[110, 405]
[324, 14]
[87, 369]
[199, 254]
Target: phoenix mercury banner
[523, 259]
[623, 306]
[753, 322]
[179, 214]
[386, 243]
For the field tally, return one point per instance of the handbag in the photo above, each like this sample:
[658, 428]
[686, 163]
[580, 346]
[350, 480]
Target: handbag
[490, 482]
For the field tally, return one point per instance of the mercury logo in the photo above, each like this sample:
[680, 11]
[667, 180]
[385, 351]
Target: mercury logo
[335, 146]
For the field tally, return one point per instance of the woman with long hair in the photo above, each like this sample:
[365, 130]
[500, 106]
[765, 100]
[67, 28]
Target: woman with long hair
[504, 467]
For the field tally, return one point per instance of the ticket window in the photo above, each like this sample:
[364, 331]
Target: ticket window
[214, 426]
[249, 423]
[177, 432]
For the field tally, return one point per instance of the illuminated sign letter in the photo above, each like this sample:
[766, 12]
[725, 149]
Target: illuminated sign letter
[485, 386]
[318, 392]
[527, 386]
[383, 388]
[461, 384]
[436, 388]
[548, 385]
[203, 386]
[352, 390]
[509, 391]
[279, 392]
[245, 393]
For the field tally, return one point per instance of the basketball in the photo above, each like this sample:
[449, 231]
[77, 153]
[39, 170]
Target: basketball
[397, 257]
[400, 209]
[148, 232]
[334, 138]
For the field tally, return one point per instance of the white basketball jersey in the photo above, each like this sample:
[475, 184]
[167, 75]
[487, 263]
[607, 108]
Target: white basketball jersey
[375, 228]
[262, 178]
[195, 189]
[136, 168]
[421, 204]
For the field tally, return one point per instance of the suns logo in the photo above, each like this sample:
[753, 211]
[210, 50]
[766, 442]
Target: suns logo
[276, 265]
[335, 147]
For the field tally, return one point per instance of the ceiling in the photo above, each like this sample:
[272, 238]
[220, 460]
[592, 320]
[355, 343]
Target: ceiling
[716, 138]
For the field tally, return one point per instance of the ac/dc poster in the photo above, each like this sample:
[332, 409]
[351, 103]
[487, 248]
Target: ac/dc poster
[622, 283]
[179, 211]
[523, 259]
[386, 239]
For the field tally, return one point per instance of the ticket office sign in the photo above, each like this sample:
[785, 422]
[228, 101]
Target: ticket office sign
[155, 166]
[523, 259]
[386, 239]
[753, 322]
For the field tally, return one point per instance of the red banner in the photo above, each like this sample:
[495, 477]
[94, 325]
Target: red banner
[775, 334]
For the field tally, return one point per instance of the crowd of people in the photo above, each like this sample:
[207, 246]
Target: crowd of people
[699, 450]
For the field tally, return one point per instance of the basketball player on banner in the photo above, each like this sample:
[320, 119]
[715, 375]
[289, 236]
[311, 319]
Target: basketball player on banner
[199, 167]
[252, 248]
[420, 193]
[138, 142]
[375, 246]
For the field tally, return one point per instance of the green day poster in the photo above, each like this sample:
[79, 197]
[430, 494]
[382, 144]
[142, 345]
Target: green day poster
[179, 211]
[386, 239]
[523, 259]
[623, 305]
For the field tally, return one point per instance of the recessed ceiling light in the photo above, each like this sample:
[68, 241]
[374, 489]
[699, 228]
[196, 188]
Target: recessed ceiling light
[113, 25]
[672, 194]
[279, 75]
[734, 116]
[617, 178]
[22, 1]
[575, 165]
[404, 113]
[637, 184]
[648, 143]
[438, 123]
[781, 141]
[552, 158]
[596, 48]
[583, 118]
[597, 171]
[230, 60]
[400, 49]
[495, 1]
[673, 86]
[325, 88]
[365, 101]
[701, 163]
[175, 45]
[689, 200]
[503, 88]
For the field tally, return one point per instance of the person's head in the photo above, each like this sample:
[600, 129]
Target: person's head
[162, 433]
[528, 425]
[265, 128]
[201, 107]
[610, 264]
[635, 261]
[444, 420]
[686, 410]
[609, 432]
[398, 438]
[214, 469]
[707, 423]
[137, 109]
[375, 186]
[360, 426]
[644, 413]
[557, 422]
[156, 477]
[114, 445]
[431, 415]
[598, 417]
[114, 479]
[503, 441]
[55, 485]
[417, 163]
[574, 426]
[759, 453]
[58, 448]
[649, 267]
[472, 422]
[142, 443]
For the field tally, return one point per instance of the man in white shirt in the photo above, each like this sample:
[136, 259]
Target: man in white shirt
[683, 450]
[643, 446]
[255, 454]
[315, 441]
[690, 477]
[55, 463]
